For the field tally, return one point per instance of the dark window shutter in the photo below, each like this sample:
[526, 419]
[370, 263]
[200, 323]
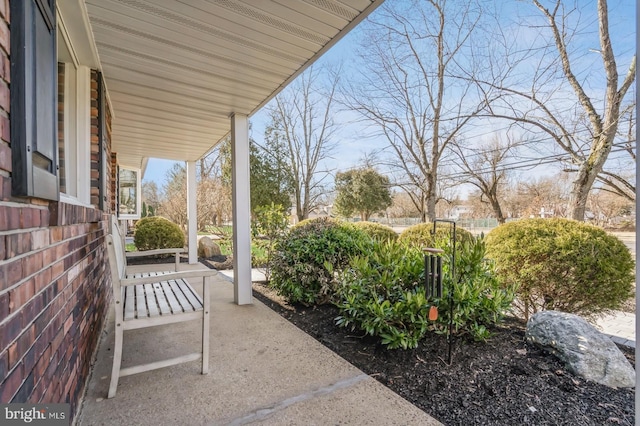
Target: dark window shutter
[34, 99]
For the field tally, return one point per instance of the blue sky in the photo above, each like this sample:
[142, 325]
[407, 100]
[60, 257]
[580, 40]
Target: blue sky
[353, 148]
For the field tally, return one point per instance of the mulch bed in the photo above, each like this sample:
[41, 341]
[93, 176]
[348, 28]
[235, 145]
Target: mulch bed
[504, 381]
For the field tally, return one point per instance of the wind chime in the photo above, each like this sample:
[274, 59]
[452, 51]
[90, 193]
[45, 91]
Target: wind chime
[433, 278]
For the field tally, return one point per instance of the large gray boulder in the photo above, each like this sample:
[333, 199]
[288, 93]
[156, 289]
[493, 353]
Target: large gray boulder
[207, 248]
[587, 352]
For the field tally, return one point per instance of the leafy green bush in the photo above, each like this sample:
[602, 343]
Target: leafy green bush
[479, 298]
[269, 223]
[307, 258]
[563, 265]
[326, 219]
[156, 232]
[377, 231]
[382, 294]
[421, 235]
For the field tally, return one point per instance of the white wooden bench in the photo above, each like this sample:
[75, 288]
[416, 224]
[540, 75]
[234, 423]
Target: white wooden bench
[148, 299]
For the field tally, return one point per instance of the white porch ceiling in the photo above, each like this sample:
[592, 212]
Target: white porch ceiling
[177, 69]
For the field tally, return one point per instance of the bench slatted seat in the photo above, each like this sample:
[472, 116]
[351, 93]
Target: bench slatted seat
[148, 299]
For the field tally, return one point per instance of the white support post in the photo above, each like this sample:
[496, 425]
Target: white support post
[192, 212]
[241, 210]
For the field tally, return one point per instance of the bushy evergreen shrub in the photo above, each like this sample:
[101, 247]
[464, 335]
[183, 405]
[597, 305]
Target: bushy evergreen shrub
[382, 294]
[377, 231]
[325, 220]
[421, 235]
[156, 232]
[563, 265]
[308, 257]
[269, 223]
[480, 299]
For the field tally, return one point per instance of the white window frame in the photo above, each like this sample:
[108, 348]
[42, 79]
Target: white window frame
[138, 194]
[77, 126]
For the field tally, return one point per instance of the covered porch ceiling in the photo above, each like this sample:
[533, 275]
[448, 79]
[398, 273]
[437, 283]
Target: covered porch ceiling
[176, 70]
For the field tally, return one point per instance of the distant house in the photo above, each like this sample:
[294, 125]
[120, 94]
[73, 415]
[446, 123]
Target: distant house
[460, 212]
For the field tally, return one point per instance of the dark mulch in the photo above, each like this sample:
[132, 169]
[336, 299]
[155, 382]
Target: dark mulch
[504, 381]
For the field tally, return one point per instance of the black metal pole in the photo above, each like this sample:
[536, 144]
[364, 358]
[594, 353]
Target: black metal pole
[453, 285]
[453, 281]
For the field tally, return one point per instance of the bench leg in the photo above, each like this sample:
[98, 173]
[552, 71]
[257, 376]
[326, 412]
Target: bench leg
[205, 324]
[117, 361]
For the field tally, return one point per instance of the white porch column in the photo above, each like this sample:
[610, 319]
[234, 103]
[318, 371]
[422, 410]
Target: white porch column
[241, 209]
[192, 212]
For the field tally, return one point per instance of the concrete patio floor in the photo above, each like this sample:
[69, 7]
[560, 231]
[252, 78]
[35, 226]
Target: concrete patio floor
[263, 370]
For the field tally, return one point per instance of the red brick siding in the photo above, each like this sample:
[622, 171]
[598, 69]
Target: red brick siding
[5, 66]
[96, 155]
[54, 285]
[54, 292]
[113, 171]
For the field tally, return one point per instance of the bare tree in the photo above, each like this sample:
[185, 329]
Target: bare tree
[174, 204]
[151, 195]
[302, 116]
[607, 207]
[477, 209]
[619, 178]
[402, 207]
[484, 167]
[411, 89]
[213, 196]
[577, 110]
[543, 196]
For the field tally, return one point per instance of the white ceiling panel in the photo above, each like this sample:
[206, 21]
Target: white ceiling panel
[177, 69]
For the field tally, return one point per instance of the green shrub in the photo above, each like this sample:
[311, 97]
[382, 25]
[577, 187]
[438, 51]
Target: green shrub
[377, 231]
[156, 232]
[479, 297]
[383, 295]
[563, 265]
[306, 259]
[421, 235]
[269, 223]
[326, 219]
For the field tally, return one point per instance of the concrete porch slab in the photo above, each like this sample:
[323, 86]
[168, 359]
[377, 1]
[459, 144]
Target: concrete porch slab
[263, 370]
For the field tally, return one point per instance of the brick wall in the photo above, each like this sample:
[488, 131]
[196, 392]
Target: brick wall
[53, 300]
[98, 157]
[113, 171]
[5, 66]
[54, 286]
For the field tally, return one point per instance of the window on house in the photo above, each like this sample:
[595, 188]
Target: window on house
[33, 99]
[129, 193]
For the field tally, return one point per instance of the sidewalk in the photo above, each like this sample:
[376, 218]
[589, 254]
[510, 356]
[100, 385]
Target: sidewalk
[621, 326]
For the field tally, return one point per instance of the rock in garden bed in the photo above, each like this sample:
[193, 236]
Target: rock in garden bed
[586, 351]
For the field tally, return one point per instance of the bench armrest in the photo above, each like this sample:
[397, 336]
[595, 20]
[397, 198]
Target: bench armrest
[199, 273]
[144, 253]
